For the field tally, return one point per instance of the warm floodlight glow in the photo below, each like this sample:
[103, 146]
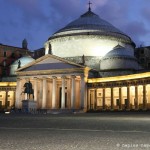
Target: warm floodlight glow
[8, 83]
[120, 78]
[77, 46]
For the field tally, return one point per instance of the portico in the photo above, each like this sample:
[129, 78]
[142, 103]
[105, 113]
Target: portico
[54, 88]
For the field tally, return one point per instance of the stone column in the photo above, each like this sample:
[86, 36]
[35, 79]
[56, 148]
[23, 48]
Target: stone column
[112, 98]
[83, 93]
[18, 94]
[95, 100]
[63, 94]
[72, 92]
[14, 98]
[54, 93]
[128, 97]
[69, 93]
[35, 89]
[44, 97]
[144, 97]
[120, 98]
[89, 99]
[41, 93]
[104, 98]
[136, 97]
[6, 99]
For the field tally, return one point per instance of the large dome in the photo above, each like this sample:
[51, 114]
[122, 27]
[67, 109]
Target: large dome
[89, 35]
[90, 23]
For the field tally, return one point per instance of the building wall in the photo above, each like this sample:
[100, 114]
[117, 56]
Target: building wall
[38, 53]
[83, 45]
[8, 54]
[143, 56]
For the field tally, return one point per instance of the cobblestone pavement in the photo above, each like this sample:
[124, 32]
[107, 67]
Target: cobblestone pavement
[92, 131]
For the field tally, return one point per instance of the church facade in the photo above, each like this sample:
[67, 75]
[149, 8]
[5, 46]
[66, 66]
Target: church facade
[69, 87]
[88, 65]
[57, 83]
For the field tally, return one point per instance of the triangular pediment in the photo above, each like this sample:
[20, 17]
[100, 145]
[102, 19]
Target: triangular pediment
[49, 62]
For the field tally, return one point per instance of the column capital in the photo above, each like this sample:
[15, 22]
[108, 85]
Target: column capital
[128, 86]
[54, 77]
[63, 77]
[19, 79]
[73, 76]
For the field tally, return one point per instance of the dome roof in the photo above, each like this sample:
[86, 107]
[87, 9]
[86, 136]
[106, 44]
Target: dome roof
[119, 58]
[90, 23]
[119, 51]
[23, 61]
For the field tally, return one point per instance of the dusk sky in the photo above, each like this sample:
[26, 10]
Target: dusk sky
[37, 20]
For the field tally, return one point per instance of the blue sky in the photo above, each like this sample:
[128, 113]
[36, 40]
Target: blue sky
[37, 20]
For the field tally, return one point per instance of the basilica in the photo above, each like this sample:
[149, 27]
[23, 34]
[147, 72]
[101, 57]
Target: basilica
[88, 65]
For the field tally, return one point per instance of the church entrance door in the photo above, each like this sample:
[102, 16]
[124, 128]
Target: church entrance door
[60, 98]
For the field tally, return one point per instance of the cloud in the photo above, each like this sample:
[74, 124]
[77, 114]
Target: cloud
[137, 31]
[30, 10]
[62, 12]
[136, 28]
[113, 12]
[98, 4]
[146, 14]
[127, 18]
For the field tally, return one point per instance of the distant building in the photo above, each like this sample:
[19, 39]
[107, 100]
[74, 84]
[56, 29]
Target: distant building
[143, 56]
[38, 53]
[8, 54]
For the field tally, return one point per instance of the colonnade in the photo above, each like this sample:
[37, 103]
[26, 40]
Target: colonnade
[55, 92]
[119, 98]
[7, 99]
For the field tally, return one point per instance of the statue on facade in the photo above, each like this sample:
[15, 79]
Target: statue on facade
[28, 89]
[83, 60]
[19, 64]
[50, 49]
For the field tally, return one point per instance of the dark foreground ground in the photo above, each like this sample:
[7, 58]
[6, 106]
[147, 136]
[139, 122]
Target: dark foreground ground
[91, 131]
